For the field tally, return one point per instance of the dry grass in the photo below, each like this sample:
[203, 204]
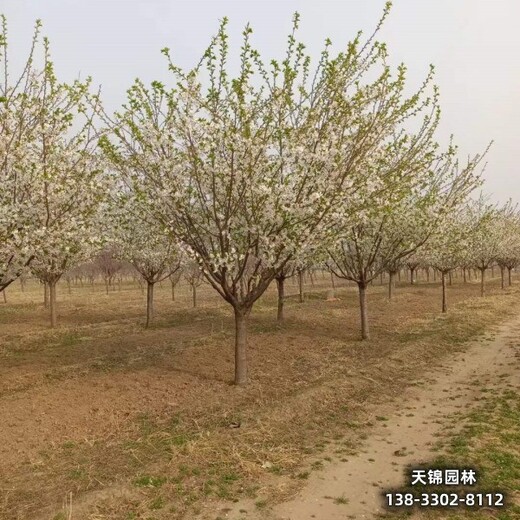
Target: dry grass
[489, 441]
[137, 423]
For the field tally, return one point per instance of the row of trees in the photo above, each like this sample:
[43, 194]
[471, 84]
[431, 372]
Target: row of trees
[249, 175]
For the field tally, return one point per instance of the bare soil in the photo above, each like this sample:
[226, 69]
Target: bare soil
[406, 433]
[129, 423]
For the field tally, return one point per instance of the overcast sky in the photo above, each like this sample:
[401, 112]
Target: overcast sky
[474, 44]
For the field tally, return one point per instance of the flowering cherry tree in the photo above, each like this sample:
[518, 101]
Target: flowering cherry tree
[416, 187]
[19, 233]
[508, 228]
[140, 241]
[447, 249]
[52, 177]
[485, 240]
[251, 172]
[194, 276]
[286, 272]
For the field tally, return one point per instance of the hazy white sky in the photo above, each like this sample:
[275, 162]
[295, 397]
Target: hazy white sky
[474, 44]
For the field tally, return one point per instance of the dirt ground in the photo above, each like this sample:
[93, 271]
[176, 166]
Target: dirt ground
[123, 422]
[405, 436]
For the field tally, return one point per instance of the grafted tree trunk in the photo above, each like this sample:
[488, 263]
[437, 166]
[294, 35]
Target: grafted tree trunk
[149, 302]
[52, 302]
[280, 285]
[241, 318]
[444, 300]
[300, 284]
[365, 333]
[175, 278]
[391, 284]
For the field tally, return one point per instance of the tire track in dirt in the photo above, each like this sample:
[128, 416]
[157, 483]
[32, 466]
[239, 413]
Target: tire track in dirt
[406, 438]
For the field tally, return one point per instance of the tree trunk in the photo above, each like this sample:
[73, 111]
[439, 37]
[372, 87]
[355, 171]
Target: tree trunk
[391, 284]
[492, 271]
[280, 286]
[332, 280]
[412, 273]
[509, 278]
[52, 302]
[45, 295]
[173, 289]
[434, 275]
[300, 283]
[444, 300]
[194, 294]
[428, 274]
[106, 284]
[149, 302]
[4, 295]
[450, 280]
[482, 278]
[365, 334]
[241, 316]
[502, 277]
[464, 274]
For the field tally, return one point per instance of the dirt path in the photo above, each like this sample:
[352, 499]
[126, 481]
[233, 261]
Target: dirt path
[402, 436]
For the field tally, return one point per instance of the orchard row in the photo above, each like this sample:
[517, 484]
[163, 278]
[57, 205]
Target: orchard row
[242, 175]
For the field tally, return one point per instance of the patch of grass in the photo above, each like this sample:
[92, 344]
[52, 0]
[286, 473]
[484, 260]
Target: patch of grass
[488, 443]
[149, 481]
[157, 503]
[69, 339]
[342, 500]
[317, 465]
